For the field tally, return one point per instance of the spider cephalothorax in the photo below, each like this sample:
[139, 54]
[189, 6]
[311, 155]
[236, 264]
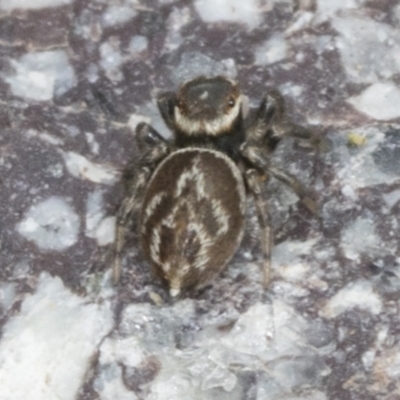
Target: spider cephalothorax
[207, 107]
[191, 191]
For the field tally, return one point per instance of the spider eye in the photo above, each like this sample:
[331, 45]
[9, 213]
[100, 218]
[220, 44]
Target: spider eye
[231, 102]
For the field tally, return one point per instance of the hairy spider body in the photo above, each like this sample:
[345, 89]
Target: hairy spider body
[191, 192]
[192, 217]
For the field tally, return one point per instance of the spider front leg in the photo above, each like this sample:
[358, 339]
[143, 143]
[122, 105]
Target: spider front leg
[254, 183]
[153, 148]
[296, 186]
[254, 177]
[259, 158]
[269, 123]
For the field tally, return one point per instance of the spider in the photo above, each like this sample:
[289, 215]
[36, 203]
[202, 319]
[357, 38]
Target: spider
[190, 192]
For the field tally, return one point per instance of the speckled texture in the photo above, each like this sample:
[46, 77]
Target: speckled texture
[75, 79]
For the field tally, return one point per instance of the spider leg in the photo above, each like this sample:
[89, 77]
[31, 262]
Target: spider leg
[259, 159]
[125, 216]
[269, 124]
[166, 104]
[253, 180]
[296, 186]
[262, 118]
[154, 148]
[284, 127]
[290, 129]
[152, 145]
[255, 154]
[146, 135]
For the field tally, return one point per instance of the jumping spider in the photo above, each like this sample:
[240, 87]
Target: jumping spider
[191, 191]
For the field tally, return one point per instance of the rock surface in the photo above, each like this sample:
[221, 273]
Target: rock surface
[76, 76]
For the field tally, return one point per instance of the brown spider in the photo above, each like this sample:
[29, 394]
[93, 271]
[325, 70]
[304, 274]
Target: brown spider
[191, 191]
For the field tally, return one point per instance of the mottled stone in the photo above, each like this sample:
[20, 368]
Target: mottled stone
[76, 77]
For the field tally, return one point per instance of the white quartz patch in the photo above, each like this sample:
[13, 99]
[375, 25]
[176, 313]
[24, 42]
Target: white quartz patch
[46, 349]
[367, 57]
[137, 44]
[105, 231]
[46, 137]
[7, 296]
[287, 261]
[380, 101]
[8, 5]
[111, 59]
[360, 237]
[273, 50]
[41, 75]
[193, 64]
[94, 212]
[251, 332]
[332, 6]
[358, 169]
[98, 226]
[209, 365]
[126, 350]
[80, 167]
[178, 18]
[391, 198]
[302, 21]
[246, 12]
[113, 352]
[51, 224]
[109, 385]
[358, 294]
[117, 14]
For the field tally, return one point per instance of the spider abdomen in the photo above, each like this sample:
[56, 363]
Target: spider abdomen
[192, 218]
